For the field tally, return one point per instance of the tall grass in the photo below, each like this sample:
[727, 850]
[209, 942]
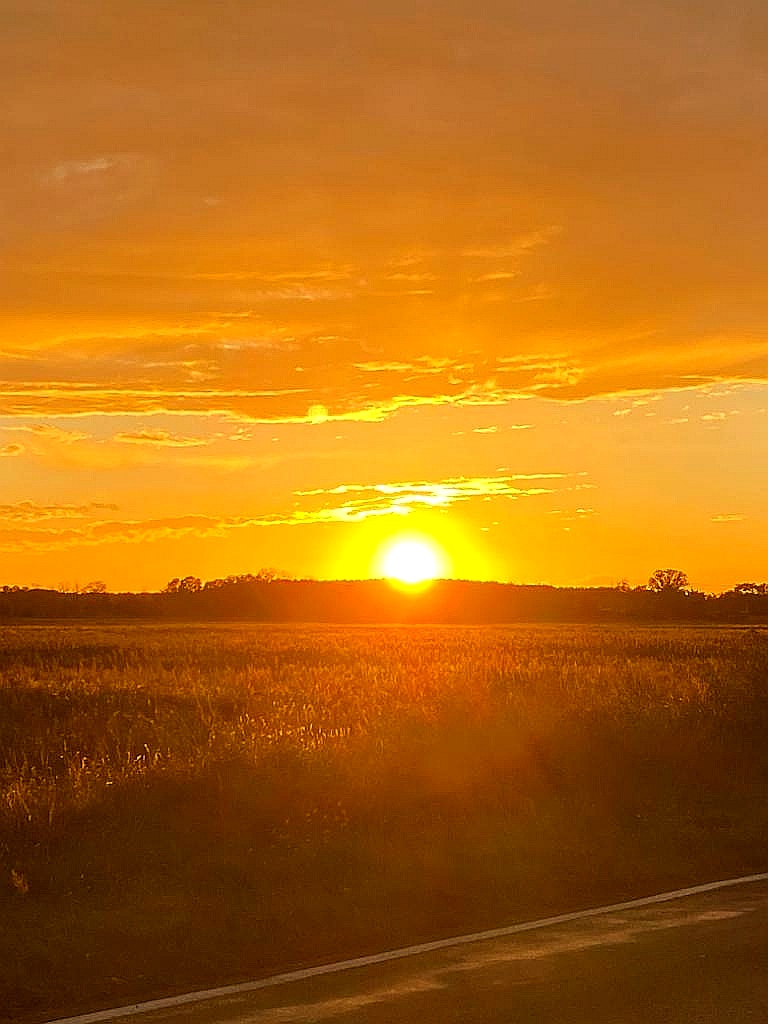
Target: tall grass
[362, 784]
[89, 713]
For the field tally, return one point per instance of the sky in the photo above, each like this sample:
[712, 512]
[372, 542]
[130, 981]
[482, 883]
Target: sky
[284, 281]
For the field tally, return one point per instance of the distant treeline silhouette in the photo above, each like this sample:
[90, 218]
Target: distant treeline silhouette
[267, 597]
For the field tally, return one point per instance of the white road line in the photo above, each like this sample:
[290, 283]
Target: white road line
[396, 954]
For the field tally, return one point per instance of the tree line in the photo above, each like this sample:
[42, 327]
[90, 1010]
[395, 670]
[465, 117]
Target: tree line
[266, 596]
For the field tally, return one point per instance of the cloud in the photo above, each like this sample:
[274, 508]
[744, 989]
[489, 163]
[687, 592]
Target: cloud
[374, 366]
[403, 498]
[543, 373]
[90, 534]
[78, 399]
[50, 433]
[9, 450]
[31, 512]
[278, 405]
[557, 377]
[729, 517]
[367, 179]
[146, 446]
[332, 390]
[357, 502]
[337, 273]
[516, 248]
[428, 365]
[257, 345]
[487, 393]
[298, 291]
[159, 438]
[573, 515]
[77, 168]
[719, 416]
[14, 538]
[492, 429]
[411, 278]
[499, 275]
[198, 369]
[115, 531]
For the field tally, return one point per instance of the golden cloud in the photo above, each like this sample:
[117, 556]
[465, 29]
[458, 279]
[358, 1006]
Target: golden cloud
[159, 438]
[365, 501]
[403, 498]
[31, 512]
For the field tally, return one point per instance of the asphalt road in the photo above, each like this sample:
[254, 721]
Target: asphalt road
[700, 959]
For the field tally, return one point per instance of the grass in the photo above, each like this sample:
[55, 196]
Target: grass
[191, 805]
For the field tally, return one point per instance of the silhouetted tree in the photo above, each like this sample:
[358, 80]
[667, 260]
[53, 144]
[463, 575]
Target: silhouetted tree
[668, 581]
[270, 575]
[751, 588]
[94, 587]
[186, 585]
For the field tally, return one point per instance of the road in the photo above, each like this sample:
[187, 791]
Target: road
[695, 960]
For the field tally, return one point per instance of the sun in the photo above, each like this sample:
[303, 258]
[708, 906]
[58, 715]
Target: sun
[411, 560]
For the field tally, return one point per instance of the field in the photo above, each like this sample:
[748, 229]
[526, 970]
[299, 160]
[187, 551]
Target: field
[191, 805]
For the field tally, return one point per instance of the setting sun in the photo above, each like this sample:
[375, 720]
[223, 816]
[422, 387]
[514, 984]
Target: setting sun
[412, 560]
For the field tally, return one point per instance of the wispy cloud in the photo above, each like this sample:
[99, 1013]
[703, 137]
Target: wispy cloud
[719, 416]
[411, 278]
[573, 515]
[31, 512]
[147, 446]
[345, 503]
[427, 365]
[9, 450]
[195, 373]
[332, 273]
[111, 531]
[78, 399]
[26, 536]
[405, 497]
[499, 275]
[281, 405]
[492, 429]
[49, 432]
[78, 168]
[487, 393]
[729, 517]
[515, 248]
[159, 438]
[557, 377]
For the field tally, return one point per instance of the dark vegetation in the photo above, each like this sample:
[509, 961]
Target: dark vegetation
[189, 805]
[266, 598]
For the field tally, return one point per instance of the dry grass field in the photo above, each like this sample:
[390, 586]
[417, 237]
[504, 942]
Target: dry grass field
[190, 805]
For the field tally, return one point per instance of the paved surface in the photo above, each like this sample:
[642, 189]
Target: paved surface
[696, 960]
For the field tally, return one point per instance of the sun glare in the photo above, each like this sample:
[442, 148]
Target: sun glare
[411, 560]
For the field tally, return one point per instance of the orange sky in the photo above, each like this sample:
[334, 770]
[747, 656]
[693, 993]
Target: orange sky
[281, 280]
